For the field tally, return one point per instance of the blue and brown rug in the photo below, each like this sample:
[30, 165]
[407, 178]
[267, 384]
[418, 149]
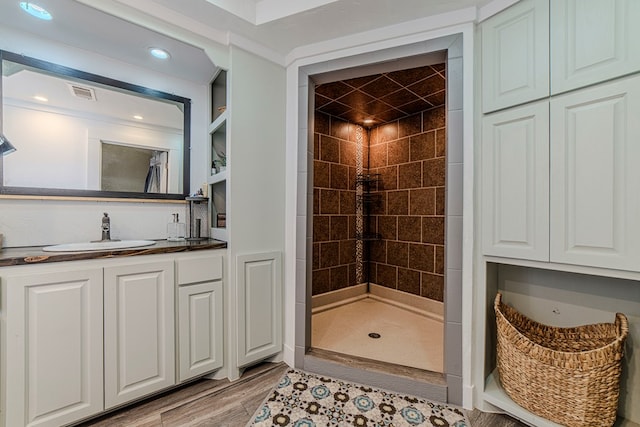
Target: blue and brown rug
[306, 400]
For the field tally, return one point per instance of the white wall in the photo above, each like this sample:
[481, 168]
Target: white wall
[42, 222]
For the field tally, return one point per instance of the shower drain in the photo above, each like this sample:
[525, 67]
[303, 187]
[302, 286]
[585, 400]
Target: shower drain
[374, 335]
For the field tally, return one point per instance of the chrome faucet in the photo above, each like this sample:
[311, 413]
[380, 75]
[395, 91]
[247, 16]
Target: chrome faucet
[106, 227]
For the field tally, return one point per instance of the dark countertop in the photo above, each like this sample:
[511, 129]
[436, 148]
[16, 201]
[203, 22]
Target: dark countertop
[35, 255]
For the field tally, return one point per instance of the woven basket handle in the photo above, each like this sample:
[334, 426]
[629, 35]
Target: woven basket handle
[498, 300]
[622, 324]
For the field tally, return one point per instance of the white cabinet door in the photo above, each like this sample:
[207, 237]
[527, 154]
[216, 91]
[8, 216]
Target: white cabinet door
[515, 182]
[53, 347]
[515, 55]
[593, 41]
[259, 311]
[139, 330]
[595, 208]
[200, 326]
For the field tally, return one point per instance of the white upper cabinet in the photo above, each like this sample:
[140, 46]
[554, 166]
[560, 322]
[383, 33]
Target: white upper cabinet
[515, 176]
[592, 41]
[595, 208]
[515, 55]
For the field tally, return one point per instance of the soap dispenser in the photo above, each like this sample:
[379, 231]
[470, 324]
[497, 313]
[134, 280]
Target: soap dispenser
[176, 231]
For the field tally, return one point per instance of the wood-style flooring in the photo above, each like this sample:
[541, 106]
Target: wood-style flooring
[220, 403]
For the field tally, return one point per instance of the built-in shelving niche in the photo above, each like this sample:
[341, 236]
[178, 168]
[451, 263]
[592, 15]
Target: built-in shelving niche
[218, 157]
[563, 298]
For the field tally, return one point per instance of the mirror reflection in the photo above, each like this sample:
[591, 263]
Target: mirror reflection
[81, 134]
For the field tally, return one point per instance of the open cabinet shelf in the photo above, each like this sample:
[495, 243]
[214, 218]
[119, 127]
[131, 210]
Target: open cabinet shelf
[218, 176]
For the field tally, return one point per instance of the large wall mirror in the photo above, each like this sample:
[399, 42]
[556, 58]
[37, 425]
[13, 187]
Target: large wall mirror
[80, 134]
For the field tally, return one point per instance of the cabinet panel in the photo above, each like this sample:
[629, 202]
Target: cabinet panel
[515, 196]
[53, 347]
[139, 330]
[259, 306]
[199, 269]
[592, 41]
[595, 175]
[200, 329]
[515, 55]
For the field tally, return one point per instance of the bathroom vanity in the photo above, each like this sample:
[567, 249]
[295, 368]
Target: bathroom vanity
[86, 332]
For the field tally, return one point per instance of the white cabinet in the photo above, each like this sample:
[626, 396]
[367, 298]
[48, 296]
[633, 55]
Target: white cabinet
[259, 299]
[515, 55]
[139, 321]
[592, 41]
[52, 346]
[515, 176]
[200, 332]
[200, 316]
[595, 208]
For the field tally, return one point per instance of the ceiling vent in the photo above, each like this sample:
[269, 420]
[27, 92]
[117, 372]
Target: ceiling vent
[83, 92]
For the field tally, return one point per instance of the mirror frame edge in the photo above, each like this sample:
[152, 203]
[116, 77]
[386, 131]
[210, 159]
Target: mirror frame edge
[119, 84]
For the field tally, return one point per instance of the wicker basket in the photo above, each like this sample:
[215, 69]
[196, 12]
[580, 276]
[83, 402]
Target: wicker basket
[567, 375]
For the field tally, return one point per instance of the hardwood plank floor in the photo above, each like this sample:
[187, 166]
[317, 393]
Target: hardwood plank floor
[220, 403]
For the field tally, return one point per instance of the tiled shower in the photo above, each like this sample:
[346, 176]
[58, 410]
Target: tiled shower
[397, 240]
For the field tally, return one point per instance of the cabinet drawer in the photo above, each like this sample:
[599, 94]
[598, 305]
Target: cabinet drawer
[199, 269]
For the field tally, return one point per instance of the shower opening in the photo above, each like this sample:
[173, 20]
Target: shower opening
[379, 191]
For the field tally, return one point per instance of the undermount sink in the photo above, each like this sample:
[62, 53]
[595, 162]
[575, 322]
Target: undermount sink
[98, 246]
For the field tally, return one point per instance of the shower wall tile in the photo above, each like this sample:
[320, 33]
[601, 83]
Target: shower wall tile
[434, 172]
[409, 281]
[388, 227]
[409, 228]
[386, 276]
[432, 286]
[440, 201]
[421, 257]
[398, 152]
[386, 132]
[423, 146]
[398, 203]
[433, 230]
[411, 125]
[422, 201]
[389, 178]
[435, 118]
[410, 175]
[398, 253]
[378, 156]
[439, 265]
[333, 248]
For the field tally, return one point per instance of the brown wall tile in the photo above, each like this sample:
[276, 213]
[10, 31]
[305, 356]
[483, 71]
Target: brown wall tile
[409, 281]
[433, 172]
[339, 277]
[410, 175]
[439, 267]
[388, 227]
[434, 118]
[422, 201]
[316, 256]
[389, 178]
[339, 176]
[316, 201]
[398, 151]
[410, 228]
[348, 202]
[421, 257]
[440, 201]
[398, 253]
[386, 275]
[321, 281]
[348, 153]
[321, 123]
[329, 149]
[329, 254]
[340, 128]
[422, 146]
[432, 286]
[329, 201]
[339, 228]
[398, 202]
[410, 125]
[321, 174]
[321, 230]
[441, 142]
[378, 251]
[433, 230]
[386, 132]
[316, 146]
[378, 156]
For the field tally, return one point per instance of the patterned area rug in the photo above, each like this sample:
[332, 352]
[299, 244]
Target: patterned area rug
[307, 400]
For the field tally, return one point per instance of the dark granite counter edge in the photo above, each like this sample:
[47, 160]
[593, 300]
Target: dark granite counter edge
[35, 255]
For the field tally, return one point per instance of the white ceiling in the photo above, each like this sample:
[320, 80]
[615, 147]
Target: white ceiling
[276, 25]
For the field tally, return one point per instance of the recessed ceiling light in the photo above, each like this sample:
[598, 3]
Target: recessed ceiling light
[35, 10]
[368, 121]
[159, 53]
[41, 98]
[138, 117]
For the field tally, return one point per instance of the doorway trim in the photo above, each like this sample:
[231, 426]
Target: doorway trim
[458, 44]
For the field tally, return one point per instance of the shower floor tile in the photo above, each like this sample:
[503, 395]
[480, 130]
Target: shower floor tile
[406, 338]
